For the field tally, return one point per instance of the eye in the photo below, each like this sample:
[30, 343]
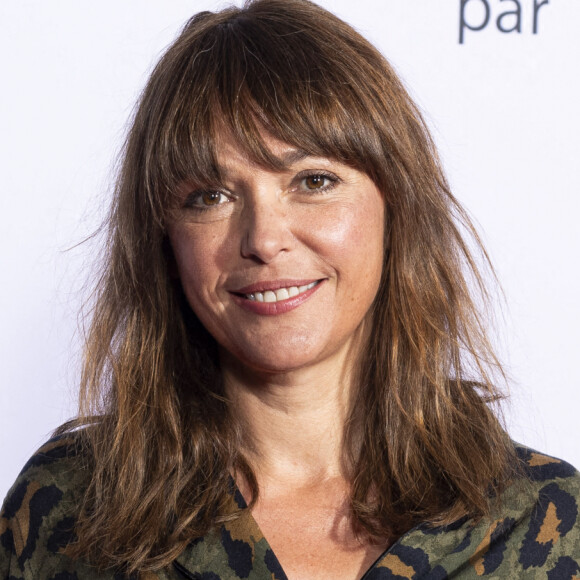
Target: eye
[315, 181]
[318, 181]
[212, 197]
[206, 199]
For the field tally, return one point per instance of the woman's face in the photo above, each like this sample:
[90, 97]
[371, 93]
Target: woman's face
[281, 267]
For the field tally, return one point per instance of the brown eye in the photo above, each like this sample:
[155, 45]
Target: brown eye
[211, 197]
[205, 199]
[315, 181]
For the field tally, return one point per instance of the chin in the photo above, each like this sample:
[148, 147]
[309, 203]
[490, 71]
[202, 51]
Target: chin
[274, 364]
[283, 359]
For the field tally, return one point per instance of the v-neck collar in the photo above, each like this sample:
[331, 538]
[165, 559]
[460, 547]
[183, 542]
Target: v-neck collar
[237, 549]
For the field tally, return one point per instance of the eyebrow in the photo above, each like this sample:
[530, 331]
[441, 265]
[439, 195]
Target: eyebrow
[293, 156]
[286, 160]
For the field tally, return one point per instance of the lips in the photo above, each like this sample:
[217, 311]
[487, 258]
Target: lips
[275, 297]
[280, 294]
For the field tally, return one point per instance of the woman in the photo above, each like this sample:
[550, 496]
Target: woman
[286, 375]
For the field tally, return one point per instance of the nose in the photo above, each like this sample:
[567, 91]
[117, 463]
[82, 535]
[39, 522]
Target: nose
[267, 230]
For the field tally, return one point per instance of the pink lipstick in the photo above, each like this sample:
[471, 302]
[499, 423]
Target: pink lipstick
[274, 297]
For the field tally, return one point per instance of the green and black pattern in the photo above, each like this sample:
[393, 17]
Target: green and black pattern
[535, 534]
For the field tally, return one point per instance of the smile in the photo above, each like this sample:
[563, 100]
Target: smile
[275, 297]
[280, 294]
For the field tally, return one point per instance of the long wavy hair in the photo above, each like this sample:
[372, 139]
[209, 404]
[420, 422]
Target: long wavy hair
[423, 441]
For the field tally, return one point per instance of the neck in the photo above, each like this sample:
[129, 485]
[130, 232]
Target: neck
[293, 423]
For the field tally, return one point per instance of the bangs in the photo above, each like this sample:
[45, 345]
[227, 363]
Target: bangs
[256, 71]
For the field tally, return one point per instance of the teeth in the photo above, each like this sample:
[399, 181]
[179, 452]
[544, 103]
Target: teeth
[280, 294]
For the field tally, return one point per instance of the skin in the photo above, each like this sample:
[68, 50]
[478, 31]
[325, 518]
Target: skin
[288, 367]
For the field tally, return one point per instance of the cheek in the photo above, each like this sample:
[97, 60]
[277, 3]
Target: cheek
[195, 259]
[353, 235]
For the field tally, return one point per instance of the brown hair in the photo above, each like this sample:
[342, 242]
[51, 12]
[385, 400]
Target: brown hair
[159, 430]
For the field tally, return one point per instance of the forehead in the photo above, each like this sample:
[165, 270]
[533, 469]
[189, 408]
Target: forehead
[273, 153]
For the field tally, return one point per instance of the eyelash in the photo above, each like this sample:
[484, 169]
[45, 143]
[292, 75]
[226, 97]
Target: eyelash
[194, 197]
[333, 179]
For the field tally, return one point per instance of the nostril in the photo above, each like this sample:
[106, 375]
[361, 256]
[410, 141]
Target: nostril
[264, 242]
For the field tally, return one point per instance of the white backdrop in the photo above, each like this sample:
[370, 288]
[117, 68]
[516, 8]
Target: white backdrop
[504, 111]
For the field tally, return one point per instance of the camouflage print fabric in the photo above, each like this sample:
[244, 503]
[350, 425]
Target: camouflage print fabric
[534, 534]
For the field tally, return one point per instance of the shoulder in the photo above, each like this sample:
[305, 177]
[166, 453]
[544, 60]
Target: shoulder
[553, 525]
[39, 512]
[533, 531]
[535, 527]
[541, 467]
[555, 494]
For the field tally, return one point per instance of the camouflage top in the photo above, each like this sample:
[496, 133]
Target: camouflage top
[535, 535]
